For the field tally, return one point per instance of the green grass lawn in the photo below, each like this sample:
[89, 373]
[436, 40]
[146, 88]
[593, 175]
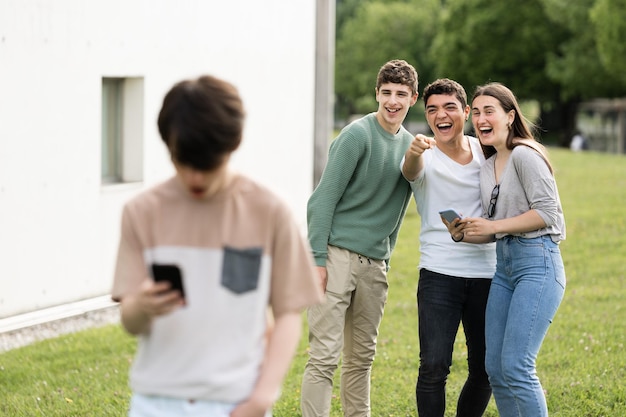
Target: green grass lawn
[582, 364]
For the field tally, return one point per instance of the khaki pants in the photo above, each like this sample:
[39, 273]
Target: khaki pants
[348, 319]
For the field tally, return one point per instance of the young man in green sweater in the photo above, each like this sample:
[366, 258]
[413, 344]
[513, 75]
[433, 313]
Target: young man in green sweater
[354, 216]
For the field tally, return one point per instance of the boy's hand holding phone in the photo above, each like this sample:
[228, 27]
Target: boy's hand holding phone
[152, 300]
[165, 292]
[170, 273]
[451, 219]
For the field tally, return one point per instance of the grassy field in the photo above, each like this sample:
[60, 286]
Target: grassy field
[582, 364]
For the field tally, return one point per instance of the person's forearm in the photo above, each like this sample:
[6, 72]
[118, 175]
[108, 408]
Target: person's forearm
[479, 230]
[477, 239]
[412, 166]
[281, 348]
[526, 222]
[134, 320]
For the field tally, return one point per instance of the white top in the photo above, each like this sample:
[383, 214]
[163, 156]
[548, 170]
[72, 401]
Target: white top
[444, 184]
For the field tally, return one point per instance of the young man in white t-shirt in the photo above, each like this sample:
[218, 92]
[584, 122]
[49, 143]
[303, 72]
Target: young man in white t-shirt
[211, 349]
[454, 277]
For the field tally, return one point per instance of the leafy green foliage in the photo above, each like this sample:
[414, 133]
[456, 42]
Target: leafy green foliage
[344, 11]
[481, 41]
[610, 26]
[378, 33]
[558, 52]
[575, 64]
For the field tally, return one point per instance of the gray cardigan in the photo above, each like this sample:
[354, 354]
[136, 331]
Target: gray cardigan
[526, 183]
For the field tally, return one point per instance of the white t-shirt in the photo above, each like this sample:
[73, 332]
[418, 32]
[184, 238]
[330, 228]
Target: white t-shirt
[444, 184]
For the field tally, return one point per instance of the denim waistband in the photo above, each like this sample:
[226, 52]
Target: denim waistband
[542, 238]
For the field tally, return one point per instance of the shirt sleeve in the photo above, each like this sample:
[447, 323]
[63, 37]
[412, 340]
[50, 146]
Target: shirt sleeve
[295, 283]
[342, 161]
[538, 183]
[130, 269]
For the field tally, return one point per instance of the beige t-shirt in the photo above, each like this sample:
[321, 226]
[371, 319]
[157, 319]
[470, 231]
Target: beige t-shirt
[239, 251]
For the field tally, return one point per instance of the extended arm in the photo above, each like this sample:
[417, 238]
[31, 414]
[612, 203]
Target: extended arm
[413, 161]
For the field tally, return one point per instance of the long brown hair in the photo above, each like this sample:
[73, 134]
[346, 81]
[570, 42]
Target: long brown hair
[521, 131]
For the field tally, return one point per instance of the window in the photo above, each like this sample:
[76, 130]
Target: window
[122, 130]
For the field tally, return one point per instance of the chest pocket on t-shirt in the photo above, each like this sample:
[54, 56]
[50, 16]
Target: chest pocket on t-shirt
[240, 272]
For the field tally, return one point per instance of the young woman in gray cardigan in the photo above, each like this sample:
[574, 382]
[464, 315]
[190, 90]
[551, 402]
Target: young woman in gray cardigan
[522, 212]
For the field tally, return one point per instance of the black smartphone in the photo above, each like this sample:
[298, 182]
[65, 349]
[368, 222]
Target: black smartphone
[170, 273]
[450, 215]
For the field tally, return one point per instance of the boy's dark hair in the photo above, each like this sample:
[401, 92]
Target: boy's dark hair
[398, 71]
[447, 87]
[201, 122]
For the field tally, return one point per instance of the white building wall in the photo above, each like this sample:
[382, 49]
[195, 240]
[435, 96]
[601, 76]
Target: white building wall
[59, 226]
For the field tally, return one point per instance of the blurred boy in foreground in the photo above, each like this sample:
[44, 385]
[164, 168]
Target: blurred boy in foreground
[239, 251]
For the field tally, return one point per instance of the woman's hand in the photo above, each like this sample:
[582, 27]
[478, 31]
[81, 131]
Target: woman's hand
[477, 226]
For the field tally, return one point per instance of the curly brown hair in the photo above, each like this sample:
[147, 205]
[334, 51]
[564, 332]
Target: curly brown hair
[398, 71]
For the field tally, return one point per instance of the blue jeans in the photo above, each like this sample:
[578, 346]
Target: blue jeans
[443, 302]
[525, 294]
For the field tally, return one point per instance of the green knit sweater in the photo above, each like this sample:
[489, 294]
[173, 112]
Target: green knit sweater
[362, 196]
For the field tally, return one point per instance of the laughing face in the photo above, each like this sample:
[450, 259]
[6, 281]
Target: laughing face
[394, 101]
[446, 117]
[490, 121]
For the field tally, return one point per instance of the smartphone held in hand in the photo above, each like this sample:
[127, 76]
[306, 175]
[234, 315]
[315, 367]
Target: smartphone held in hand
[170, 273]
[450, 215]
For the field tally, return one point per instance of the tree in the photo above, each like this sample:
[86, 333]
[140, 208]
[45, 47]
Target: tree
[481, 40]
[557, 52]
[609, 19]
[542, 49]
[576, 65]
[345, 10]
[379, 32]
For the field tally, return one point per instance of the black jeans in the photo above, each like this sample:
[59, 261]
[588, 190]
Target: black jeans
[443, 302]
